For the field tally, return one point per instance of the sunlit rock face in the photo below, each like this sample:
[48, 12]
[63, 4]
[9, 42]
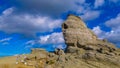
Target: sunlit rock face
[76, 32]
[77, 35]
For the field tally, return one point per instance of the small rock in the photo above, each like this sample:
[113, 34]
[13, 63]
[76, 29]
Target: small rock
[71, 49]
[88, 55]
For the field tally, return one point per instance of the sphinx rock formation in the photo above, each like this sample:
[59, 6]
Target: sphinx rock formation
[83, 43]
[76, 34]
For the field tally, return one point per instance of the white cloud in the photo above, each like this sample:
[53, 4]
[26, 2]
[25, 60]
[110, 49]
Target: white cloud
[31, 42]
[97, 30]
[99, 3]
[61, 46]
[100, 33]
[6, 39]
[27, 24]
[44, 39]
[54, 38]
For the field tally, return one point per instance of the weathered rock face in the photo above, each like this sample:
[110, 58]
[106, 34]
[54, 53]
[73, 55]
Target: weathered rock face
[75, 31]
[76, 34]
[82, 43]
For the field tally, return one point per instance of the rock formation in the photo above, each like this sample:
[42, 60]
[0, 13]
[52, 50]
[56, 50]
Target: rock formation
[76, 34]
[83, 43]
[75, 31]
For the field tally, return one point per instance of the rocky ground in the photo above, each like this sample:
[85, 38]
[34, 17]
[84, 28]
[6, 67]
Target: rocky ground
[84, 50]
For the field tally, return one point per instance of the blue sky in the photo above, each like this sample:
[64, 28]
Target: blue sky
[26, 24]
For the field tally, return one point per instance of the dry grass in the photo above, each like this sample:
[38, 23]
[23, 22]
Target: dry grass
[9, 62]
[14, 66]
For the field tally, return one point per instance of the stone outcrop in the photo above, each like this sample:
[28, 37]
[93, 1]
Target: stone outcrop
[77, 35]
[75, 31]
[84, 44]
[37, 58]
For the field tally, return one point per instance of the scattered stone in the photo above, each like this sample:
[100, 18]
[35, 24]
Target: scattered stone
[59, 52]
[71, 49]
[88, 55]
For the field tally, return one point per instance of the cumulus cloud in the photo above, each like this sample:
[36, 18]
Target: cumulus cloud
[54, 38]
[26, 23]
[99, 3]
[97, 30]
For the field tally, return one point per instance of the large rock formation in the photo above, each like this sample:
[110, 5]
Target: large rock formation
[76, 34]
[84, 44]
[75, 31]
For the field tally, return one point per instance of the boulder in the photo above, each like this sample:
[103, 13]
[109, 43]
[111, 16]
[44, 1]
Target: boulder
[59, 52]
